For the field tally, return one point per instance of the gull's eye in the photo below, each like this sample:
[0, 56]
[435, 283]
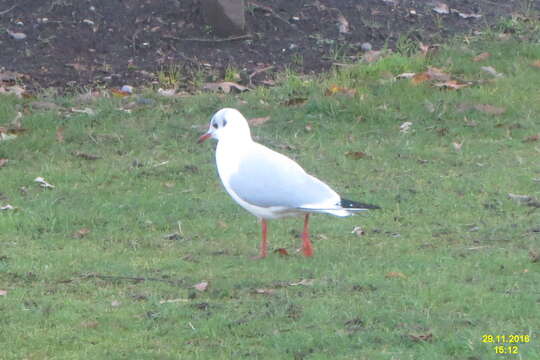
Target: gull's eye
[215, 125]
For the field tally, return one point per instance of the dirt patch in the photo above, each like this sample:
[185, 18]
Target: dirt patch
[74, 44]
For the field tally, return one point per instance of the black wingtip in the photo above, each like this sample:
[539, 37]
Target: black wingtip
[349, 204]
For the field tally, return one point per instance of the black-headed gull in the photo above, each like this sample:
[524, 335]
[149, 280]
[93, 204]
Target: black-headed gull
[268, 184]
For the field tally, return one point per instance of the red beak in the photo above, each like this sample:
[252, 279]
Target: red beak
[203, 137]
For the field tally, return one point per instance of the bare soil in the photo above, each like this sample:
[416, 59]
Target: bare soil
[89, 43]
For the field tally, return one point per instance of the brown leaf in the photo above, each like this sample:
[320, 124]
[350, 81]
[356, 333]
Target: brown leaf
[395, 275]
[451, 85]
[372, 56]
[264, 291]
[202, 286]
[491, 70]
[355, 155]
[282, 251]
[119, 93]
[435, 73]
[457, 145]
[60, 134]
[441, 8]
[536, 64]
[222, 224]
[79, 234]
[334, 89]
[43, 105]
[304, 282]
[343, 24]
[532, 138]
[169, 301]
[490, 109]
[358, 231]
[421, 337]
[420, 78]
[85, 155]
[258, 121]
[9, 76]
[295, 101]
[225, 87]
[92, 324]
[3, 162]
[481, 57]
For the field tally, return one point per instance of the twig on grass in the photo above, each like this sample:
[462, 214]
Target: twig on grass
[231, 38]
[129, 278]
[3, 12]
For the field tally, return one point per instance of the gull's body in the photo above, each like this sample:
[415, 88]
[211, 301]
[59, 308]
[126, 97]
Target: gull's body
[266, 183]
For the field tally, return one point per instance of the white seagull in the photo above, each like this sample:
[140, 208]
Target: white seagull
[268, 184]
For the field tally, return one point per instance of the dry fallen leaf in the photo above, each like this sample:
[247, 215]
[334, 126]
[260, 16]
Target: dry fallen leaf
[466, 15]
[85, 155]
[3, 162]
[481, 57]
[86, 110]
[115, 303]
[264, 291]
[491, 70]
[3, 292]
[532, 138]
[43, 183]
[282, 251]
[372, 56]
[343, 24]
[225, 87]
[536, 64]
[358, 231]
[170, 301]
[407, 75]
[89, 324]
[304, 282]
[451, 85]
[421, 337]
[441, 8]
[334, 89]
[405, 127]
[490, 109]
[420, 78]
[202, 286]
[395, 275]
[258, 121]
[534, 255]
[119, 93]
[457, 145]
[520, 198]
[60, 134]
[79, 234]
[295, 101]
[356, 155]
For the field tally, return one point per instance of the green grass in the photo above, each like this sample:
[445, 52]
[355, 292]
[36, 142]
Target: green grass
[447, 223]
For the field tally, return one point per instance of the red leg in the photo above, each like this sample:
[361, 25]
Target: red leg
[307, 247]
[264, 243]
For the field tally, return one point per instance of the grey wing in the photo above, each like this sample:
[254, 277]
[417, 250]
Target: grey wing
[266, 178]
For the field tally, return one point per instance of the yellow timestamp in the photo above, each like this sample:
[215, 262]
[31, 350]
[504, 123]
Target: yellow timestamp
[505, 339]
[501, 349]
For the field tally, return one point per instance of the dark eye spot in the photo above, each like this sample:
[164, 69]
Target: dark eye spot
[215, 125]
[224, 122]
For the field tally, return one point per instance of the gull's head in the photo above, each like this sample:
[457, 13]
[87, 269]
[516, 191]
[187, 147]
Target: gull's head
[227, 123]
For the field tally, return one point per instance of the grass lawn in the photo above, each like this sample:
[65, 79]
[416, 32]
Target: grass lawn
[90, 270]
